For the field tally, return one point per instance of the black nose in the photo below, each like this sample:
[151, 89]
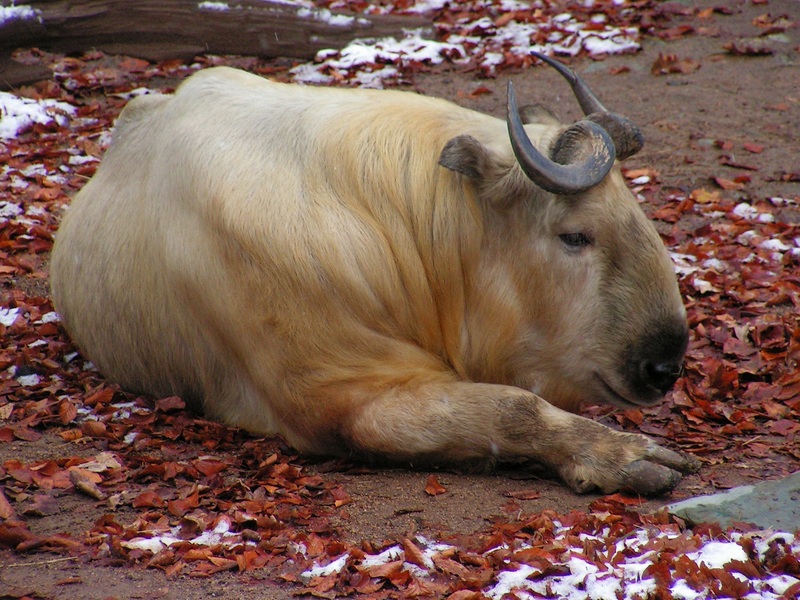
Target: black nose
[660, 375]
[654, 364]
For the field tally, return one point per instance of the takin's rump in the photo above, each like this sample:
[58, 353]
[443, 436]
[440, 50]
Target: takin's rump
[378, 273]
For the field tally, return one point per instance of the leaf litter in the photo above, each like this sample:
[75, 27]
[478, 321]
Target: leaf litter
[206, 498]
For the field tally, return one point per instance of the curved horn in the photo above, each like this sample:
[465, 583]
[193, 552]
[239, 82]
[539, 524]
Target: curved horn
[592, 154]
[628, 139]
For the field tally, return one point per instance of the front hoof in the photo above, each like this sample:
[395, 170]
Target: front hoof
[648, 479]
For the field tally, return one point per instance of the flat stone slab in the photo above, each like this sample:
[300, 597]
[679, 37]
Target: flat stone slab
[769, 505]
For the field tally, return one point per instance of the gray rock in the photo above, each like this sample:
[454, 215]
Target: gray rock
[768, 505]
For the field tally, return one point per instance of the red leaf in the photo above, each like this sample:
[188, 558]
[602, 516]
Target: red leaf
[209, 468]
[6, 510]
[433, 487]
[94, 429]
[148, 499]
[466, 595]
[524, 494]
[103, 396]
[784, 427]
[667, 64]
[13, 533]
[26, 433]
[67, 411]
[754, 148]
[728, 184]
[413, 554]
[386, 570]
[170, 404]
[480, 91]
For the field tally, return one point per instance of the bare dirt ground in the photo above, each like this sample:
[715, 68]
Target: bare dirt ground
[687, 118]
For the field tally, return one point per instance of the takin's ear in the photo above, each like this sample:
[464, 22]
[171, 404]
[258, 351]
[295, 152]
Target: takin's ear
[538, 113]
[466, 155]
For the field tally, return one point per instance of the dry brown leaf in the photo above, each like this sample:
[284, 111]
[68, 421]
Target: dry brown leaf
[668, 64]
[433, 487]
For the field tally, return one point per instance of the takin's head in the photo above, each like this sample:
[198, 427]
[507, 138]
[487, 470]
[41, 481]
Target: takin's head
[576, 285]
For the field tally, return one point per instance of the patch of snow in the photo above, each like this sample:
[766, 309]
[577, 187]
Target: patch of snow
[778, 584]
[427, 6]
[8, 315]
[326, 16]
[763, 545]
[774, 245]
[335, 566]
[744, 210]
[220, 535]
[21, 12]
[153, 544]
[81, 159]
[703, 286]
[778, 201]
[613, 41]
[683, 263]
[363, 56]
[18, 114]
[388, 555]
[746, 237]
[716, 555]
[509, 581]
[49, 317]
[35, 211]
[134, 93]
[714, 263]
[29, 380]
[34, 169]
[680, 590]
[218, 6]
[9, 210]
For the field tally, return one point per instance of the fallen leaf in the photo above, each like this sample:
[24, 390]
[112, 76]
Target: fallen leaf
[704, 196]
[85, 484]
[754, 148]
[433, 487]
[668, 64]
[6, 510]
[41, 505]
[413, 554]
[170, 404]
[728, 184]
[67, 411]
[523, 494]
[386, 570]
[749, 47]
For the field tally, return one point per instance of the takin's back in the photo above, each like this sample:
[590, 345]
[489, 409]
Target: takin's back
[246, 226]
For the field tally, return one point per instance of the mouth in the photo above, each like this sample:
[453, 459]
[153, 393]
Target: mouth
[614, 397]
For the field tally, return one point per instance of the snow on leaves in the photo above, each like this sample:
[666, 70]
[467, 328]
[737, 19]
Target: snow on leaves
[606, 554]
[480, 35]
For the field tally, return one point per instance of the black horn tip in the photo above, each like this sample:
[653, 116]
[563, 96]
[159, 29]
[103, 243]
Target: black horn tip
[563, 69]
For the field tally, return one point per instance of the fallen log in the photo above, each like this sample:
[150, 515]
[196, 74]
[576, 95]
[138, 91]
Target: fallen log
[160, 29]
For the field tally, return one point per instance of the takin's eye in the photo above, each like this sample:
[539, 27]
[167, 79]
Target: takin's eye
[576, 241]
